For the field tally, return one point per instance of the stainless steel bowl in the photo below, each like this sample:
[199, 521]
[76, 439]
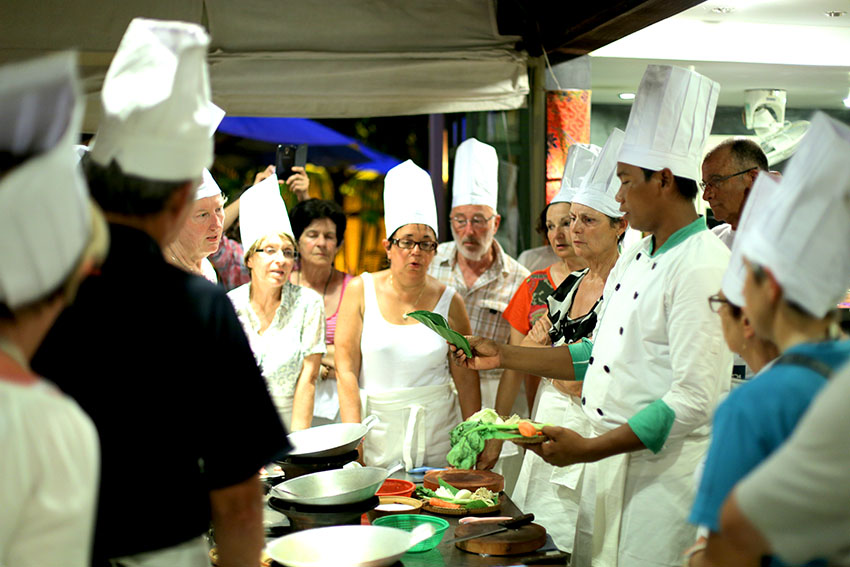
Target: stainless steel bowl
[341, 486]
[356, 546]
[329, 440]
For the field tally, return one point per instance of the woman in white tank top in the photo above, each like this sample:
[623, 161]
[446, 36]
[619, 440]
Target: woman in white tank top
[396, 368]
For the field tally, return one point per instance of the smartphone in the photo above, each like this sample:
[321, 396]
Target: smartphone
[289, 155]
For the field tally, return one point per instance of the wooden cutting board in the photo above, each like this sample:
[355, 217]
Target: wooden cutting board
[469, 479]
[525, 539]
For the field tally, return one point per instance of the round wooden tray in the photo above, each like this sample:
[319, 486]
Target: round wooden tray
[525, 539]
[461, 511]
[471, 480]
[528, 440]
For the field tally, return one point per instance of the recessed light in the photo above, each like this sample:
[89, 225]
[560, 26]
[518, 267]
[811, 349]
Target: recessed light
[626, 96]
[834, 13]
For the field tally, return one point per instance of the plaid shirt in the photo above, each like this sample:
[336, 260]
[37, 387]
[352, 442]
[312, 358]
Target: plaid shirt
[488, 297]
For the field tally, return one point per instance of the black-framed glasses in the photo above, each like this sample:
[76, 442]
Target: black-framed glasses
[287, 253]
[715, 302]
[409, 244]
[477, 221]
[718, 180]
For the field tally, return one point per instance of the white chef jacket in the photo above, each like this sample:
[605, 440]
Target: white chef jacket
[657, 343]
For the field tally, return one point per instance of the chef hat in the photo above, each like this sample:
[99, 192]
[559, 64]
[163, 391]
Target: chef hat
[208, 186]
[670, 121]
[760, 202]
[158, 118]
[599, 187]
[408, 198]
[476, 175]
[580, 158]
[803, 240]
[45, 220]
[262, 212]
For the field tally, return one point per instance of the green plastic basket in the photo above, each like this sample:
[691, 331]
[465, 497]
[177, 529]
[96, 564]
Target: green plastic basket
[407, 522]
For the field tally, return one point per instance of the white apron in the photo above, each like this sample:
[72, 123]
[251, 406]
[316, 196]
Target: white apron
[636, 505]
[414, 425]
[552, 493]
[192, 553]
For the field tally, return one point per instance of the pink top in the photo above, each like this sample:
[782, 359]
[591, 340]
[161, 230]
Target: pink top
[330, 322]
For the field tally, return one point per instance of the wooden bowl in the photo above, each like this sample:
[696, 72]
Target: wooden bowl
[414, 507]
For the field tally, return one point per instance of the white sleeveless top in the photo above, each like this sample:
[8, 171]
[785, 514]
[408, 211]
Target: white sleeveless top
[401, 356]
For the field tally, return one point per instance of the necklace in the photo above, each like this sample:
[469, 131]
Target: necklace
[327, 282]
[421, 291]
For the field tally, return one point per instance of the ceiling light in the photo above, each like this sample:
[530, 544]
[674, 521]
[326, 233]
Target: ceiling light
[846, 101]
[834, 13]
[626, 96]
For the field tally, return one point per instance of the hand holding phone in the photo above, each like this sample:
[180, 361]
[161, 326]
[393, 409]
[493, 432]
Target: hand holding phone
[289, 155]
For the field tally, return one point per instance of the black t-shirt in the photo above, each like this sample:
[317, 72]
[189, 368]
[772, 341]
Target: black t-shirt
[158, 359]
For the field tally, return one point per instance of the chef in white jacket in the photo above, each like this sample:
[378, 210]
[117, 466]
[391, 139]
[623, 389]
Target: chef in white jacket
[657, 363]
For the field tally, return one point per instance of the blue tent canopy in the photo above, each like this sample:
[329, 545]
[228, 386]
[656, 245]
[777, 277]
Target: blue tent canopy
[327, 147]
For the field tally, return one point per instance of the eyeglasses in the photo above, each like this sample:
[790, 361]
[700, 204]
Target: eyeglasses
[478, 221]
[287, 253]
[408, 244]
[716, 181]
[715, 302]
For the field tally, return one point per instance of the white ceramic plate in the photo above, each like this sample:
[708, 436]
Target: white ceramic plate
[356, 546]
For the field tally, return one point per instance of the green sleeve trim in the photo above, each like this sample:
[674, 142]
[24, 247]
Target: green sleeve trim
[580, 353]
[652, 424]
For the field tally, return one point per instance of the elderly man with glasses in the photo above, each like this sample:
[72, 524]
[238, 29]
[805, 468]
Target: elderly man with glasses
[477, 267]
[728, 174]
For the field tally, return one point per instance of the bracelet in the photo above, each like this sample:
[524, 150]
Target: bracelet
[693, 550]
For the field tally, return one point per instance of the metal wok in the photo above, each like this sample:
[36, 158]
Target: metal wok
[356, 546]
[329, 440]
[332, 488]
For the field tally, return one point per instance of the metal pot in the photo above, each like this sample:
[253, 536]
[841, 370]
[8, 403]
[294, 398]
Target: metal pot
[356, 546]
[330, 440]
[340, 486]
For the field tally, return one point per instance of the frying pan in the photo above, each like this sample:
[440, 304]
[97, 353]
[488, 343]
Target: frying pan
[334, 487]
[356, 546]
[330, 440]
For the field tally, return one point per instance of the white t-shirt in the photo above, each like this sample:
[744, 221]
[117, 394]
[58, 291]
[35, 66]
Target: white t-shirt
[49, 474]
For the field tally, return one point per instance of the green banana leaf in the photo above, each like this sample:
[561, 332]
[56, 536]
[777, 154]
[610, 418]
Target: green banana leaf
[438, 324]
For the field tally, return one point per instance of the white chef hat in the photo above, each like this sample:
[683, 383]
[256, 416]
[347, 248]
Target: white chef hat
[45, 220]
[599, 187]
[803, 240]
[580, 158]
[760, 202]
[476, 175]
[208, 186]
[262, 212]
[670, 121]
[409, 198]
[157, 115]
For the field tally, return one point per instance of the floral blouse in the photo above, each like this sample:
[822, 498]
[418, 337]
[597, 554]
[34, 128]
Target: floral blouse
[297, 331]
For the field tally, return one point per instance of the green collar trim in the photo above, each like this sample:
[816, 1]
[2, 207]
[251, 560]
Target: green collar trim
[679, 236]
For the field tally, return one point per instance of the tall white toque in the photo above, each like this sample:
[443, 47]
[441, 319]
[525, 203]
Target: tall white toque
[476, 175]
[803, 238]
[158, 118]
[599, 187]
[409, 198]
[762, 199]
[208, 186]
[45, 220]
[262, 212]
[670, 121]
[580, 158]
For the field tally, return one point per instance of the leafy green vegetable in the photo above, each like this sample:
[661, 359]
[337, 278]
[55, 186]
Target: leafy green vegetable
[468, 439]
[439, 325]
[447, 486]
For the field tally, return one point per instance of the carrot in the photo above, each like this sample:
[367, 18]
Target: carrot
[526, 429]
[437, 503]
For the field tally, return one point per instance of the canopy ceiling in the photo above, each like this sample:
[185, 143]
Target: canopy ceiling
[342, 58]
